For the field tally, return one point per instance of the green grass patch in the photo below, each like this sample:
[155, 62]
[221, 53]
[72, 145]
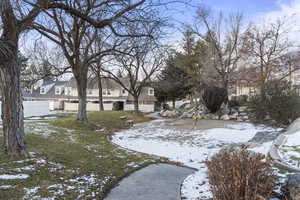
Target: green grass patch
[73, 160]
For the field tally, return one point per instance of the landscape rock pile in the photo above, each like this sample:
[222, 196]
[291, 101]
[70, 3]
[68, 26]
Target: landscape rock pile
[187, 110]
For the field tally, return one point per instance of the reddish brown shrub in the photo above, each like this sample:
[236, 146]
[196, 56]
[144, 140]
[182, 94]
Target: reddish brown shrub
[237, 174]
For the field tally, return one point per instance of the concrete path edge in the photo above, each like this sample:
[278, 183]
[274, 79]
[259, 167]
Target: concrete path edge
[274, 154]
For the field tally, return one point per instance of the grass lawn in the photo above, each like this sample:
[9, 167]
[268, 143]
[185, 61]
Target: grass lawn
[70, 160]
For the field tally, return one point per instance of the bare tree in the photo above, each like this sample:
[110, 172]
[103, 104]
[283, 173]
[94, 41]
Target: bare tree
[76, 36]
[14, 23]
[106, 44]
[18, 17]
[268, 47]
[224, 39]
[137, 66]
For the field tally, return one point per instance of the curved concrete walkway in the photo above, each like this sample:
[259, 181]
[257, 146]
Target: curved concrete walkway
[155, 182]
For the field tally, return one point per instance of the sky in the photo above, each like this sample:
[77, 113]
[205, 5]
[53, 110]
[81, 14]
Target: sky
[254, 11]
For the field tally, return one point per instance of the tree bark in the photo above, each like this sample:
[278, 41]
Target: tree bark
[12, 107]
[136, 103]
[80, 74]
[101, 106]
[173, 103]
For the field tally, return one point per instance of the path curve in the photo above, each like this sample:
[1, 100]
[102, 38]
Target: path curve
[156, 181]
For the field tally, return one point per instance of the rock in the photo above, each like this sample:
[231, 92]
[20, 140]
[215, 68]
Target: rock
[224, 109]
[245, 118]
[243, 114]
[169, 113]
[186, 115]
[101, 130]
[233, 117]
[292, 186]
[239, 119]
[186, 106]
[123, 117]
[130, 122]
[214, 117]
[233, 111]
[225, 117]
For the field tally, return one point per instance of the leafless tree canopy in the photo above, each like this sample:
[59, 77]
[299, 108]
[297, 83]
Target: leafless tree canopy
[223, 36]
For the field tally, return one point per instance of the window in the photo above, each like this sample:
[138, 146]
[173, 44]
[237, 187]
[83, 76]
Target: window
[90, 91]
[124, 92]
[57, 90]
[43, 90]
[106, 92]
[151, 92]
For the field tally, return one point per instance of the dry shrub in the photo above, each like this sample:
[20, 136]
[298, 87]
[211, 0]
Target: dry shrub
[237, 174]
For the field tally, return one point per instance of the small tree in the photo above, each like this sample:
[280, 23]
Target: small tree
[173, 83]
[213, 97]
[281, 103]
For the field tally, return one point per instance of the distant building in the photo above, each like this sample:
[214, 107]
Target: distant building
[64, 95]
[247, 80]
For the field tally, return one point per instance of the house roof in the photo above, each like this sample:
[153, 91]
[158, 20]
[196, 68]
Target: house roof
[107, 83]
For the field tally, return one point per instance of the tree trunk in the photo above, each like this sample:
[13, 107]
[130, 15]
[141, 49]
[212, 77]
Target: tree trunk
[12, 108]
[136, 103]
[101, 106]
[173, 103]
[80, 74]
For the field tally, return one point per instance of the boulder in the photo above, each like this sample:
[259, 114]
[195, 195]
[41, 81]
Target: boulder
[186, 115]
[245, 118]
[233, 116]
[123, 117]
[224, 109]
[243, 114]
[292, 186]
[239, 119]
[186, 106]
[233, 111]
[130, 122]
[169, 113]
[215, 117]
[225, 117]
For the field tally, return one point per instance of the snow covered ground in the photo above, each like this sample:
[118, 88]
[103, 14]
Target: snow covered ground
[189, 147]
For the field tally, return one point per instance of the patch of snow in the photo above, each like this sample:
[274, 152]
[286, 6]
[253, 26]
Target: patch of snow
[30, 193]
[11, 177]
[190, 148]
[5, 187]
[26, 168]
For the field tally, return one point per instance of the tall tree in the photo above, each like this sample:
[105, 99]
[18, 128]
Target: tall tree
[138, 64]
[14, 23]
[172, 82]
[267, 48]
[224, 38]
[104, 46]
[18, 17]
[71, 32]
